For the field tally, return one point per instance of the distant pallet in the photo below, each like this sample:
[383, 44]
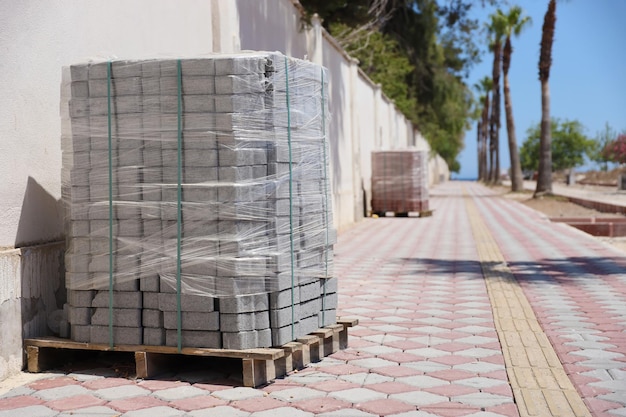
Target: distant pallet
[423, 213]
[259, 366]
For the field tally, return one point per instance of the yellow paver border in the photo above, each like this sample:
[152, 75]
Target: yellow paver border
[540, 385]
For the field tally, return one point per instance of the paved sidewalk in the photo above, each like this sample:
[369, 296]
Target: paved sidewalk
[428, 343]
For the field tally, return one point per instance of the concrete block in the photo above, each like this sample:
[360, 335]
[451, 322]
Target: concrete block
[77, 298]
[189, 85]
[233, 193]
[240, 84]
[118, 87]
[234, 174]
[248, 246]
[79, 72]
[150, 300]
[149, 283]
[152, 318]
[242, 267]
[310, 308]
[199, 158]
[236, 157]
[254, 64]
[284, 298]
[153, 336]
[191, 320]
[120, 299]
[189, 103]
[200, 66]
[151, 86]
[309, 324]
[244, 304]
[80, 89]
[244, 321]
[242, 340]
[125, 69]
[150, 68]
[200, 193]
[327, 317]
[191, 338]
[239, 103]
[192, 228]
[329, 285]
[130, 228]
[80, 333]
[239, 285]
[330, 301]
[121, 335]
[200, 139]
[281, 317]
[122, 317]
[189, 303]
[76, 263]
[79, 315]
[259, 172]
[286, 334]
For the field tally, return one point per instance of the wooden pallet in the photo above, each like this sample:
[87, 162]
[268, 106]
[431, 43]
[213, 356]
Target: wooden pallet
[259, 366]
[423, 213]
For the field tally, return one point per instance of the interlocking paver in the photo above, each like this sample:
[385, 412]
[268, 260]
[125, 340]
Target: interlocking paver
[297, 394]
[30, 411]
[156, 411]
[65, 391]
[98, 411]
[358, 395]
[222, 411]
[419, 398]
[117, 393]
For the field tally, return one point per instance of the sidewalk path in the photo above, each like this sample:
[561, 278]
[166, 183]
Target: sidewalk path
[485, 309]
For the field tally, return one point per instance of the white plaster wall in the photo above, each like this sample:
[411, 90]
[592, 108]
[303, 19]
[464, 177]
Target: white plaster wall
[366, 113]
[38, 38]
[272, 25]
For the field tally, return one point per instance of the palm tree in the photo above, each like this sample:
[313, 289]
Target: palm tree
[484, 87]
[515, 23]
[544, 179]
[496, 30]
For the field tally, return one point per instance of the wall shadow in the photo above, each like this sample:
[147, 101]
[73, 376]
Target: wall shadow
[41, 217]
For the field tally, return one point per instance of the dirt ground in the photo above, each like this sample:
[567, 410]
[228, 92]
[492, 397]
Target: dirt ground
[559, 207]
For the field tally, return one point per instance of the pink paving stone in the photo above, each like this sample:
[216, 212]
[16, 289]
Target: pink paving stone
[597, 405]
[343, 369]
[391, 387]
[136, 403]
[196, 403]
[357, 343]
[504, 389]
[96, 384]
[509, 410]
[321, 405]
[252, 405]
[451, 374]
[495, 359]
[405, 344]
[18, 402]
[280, 385]
[454, 346]
[215, 386]
[385, 407]
[571, 368]
[452, 360]
[450, 409]
[452, 335]
[501, 375]
[344, 355]
[157, 385]
[48, 383]
[75, 403]
[333, 386]
[401, 357]
[492, 345]
[362, 332]
[396, 371]
[452, 390]
[579, 379]
[591, 391]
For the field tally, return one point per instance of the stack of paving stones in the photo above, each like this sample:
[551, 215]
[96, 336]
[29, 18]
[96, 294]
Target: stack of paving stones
[197, 205]
[399, 181]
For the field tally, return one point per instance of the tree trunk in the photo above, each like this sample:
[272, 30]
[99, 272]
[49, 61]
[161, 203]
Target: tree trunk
[479, 148]
[517, 180]
[494, 125]
[485, 138]
[544, 180]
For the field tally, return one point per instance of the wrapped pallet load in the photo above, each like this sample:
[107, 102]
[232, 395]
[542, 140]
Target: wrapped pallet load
[400, 182]
[197, 201]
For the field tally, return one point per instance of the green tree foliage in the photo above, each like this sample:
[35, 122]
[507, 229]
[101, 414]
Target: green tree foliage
[428, 48]
[569, 145]
[600, 153]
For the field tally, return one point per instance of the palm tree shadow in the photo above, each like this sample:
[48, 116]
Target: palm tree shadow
[569, 270]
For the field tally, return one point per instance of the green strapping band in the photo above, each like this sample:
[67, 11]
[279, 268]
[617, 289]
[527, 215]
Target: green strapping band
[326, 200]
[110, 205]
[293, 316]
[179, 205]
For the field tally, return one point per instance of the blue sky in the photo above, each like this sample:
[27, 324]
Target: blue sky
[587, 79]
